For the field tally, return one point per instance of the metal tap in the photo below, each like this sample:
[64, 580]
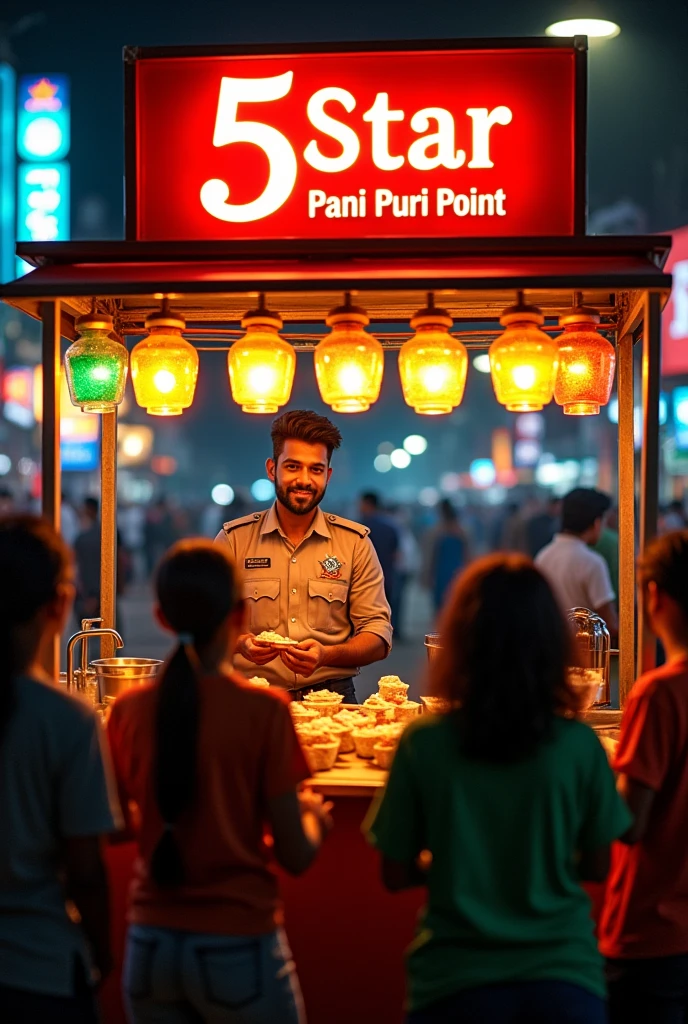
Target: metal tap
[84, 635]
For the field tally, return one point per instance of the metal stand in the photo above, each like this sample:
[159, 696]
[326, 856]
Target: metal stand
[108, 530]
[51, 482]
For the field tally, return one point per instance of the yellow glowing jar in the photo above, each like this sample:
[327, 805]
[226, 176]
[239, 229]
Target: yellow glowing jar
[523, 360]
[164, 367]
[586, 364]
[348, 362]
[261, 364]
[433, 364]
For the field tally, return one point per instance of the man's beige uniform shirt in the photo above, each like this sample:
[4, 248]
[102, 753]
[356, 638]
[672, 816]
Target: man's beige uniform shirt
[287, 589]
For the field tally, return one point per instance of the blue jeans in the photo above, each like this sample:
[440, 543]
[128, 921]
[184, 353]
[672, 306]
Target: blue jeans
[652, 991]
[524, 1002]
[174, 977]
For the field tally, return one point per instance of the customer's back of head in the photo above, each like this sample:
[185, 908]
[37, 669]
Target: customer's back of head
[663, 577]
[505, 648]
[54, 797]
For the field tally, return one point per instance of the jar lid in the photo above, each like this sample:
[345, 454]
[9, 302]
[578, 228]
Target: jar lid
[347, 311]
[165, 317]
[94, 322]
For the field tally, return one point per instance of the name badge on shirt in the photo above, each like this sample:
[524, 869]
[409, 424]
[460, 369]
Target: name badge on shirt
[257, 563]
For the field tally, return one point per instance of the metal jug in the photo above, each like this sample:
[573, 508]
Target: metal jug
[593, 644]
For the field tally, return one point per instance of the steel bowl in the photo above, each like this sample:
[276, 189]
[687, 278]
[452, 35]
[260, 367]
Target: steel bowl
[117, 675]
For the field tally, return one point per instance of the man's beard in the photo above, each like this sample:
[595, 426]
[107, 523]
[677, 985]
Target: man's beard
[299, 507]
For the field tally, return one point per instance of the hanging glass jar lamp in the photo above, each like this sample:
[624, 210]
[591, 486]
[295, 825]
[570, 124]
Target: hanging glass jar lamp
[96, 365]
[586, 363]
[523, 360]
[433, 364]
[261, 364]
[349, 363]
[164, 366]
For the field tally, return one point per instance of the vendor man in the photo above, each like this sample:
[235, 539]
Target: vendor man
[308, 575]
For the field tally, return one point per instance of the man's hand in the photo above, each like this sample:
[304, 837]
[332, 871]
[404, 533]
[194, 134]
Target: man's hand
[313, 803]
[256, 653]
[305, 658]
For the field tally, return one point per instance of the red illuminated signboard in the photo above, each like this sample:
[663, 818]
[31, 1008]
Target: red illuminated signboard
[675, 315]
[424, 143]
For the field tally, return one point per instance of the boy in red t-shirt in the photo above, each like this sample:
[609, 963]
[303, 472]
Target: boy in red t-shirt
[644, 925]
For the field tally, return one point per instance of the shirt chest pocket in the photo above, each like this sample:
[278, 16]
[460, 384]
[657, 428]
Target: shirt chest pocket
[262, 604]
[327, 605]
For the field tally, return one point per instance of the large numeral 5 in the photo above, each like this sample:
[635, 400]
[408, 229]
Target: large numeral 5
[277, 148]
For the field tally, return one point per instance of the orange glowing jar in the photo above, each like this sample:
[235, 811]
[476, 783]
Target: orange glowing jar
[433, 364]
[586, 364]
[523, 360]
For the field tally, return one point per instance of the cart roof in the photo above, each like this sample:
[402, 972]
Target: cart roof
[214, 282]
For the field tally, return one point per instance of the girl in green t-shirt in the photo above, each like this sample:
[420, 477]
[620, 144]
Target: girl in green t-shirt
[501, 809]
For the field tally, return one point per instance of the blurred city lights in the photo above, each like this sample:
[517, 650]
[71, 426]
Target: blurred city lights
[482, 362]
[681, 406]
[383, 463]
[386, 448]
[5, 465]
[482, 472]
[262, 490]
[222, 494]
[613, 410]
[415, 444]
[428, 496]
[593, 28]
[530, 424]
[400, 459]
[449, 483]
[527, 452]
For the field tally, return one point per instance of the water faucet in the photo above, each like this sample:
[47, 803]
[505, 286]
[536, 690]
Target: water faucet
[84, 635]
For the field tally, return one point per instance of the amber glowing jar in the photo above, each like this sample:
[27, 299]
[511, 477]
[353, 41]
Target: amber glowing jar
[523, 360]
[433, 364]
[164, 366]
[586, 364]
[348, 362]
[261, 364]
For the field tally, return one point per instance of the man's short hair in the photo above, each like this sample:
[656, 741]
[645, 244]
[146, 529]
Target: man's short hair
[304, 425]
[92, 505]
[582, 508]
[371, 498]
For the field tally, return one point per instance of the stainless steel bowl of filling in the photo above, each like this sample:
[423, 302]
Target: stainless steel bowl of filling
[116, 675]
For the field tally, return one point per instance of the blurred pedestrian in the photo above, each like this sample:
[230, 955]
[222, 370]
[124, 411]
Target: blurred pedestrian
[408, 567]
[87, 552]
[384, 536]
[69, 522]
[501, 809]
[54, 802]
[577, 574]
[7, 503]
[673, 517]
[644, 925]
[608, 546]
[158, 531]
[446, 551]
[209, 761]
[541, 527]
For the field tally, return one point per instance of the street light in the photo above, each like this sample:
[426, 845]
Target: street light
[583, 18]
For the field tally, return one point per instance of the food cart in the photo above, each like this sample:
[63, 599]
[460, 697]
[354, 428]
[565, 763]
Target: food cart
[386, 171]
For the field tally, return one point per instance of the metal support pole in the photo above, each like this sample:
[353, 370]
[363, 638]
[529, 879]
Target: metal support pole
[51, 483]
[626, 596]
[108, 529]
[649, 467]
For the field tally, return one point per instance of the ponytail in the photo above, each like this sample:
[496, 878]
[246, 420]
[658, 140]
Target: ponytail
[196, 593]
[175, 764]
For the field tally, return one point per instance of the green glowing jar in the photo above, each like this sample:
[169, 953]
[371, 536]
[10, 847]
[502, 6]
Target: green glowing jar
[96, 366]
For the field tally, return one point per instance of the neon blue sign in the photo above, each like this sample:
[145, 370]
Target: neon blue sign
[43, 117]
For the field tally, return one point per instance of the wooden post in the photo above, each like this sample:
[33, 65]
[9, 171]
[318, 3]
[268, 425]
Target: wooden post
[51, 477]
[649, 466]
[626, 596]
[108, 529]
